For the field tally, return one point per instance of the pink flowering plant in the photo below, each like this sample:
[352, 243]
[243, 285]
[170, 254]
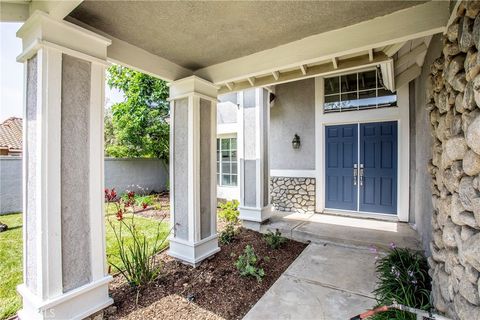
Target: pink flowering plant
[403, 277]
[136, 252]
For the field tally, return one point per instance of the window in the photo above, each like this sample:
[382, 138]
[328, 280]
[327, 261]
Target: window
[362, 90]
[227, 162]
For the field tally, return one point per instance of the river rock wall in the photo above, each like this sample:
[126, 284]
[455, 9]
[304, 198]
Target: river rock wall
[453, 100]
[293, 194]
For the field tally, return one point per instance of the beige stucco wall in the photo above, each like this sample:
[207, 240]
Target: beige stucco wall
[293, 112]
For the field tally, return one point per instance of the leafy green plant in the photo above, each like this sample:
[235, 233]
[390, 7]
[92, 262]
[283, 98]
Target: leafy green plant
[247, 264]
[228, 235]
[274, 239]
[137, 256]
[143, 200]
[140, 201]
[229, 211]
[403, 277]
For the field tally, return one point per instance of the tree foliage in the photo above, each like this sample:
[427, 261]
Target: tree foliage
[138, 126]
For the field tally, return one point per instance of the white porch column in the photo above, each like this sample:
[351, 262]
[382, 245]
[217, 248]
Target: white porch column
[193, 187]
[254, 160]
[64, 239]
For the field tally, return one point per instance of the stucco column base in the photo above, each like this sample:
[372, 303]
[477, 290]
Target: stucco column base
[252, 218]
[75, 304]
[193, 253]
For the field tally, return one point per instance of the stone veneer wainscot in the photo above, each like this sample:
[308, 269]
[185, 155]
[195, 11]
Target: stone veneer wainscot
[293, 194]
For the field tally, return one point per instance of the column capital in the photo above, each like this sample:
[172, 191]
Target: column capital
[41, 30]
[193, 85]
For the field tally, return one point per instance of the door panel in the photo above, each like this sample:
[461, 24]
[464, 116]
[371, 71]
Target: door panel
[378, 154]
[341, 147]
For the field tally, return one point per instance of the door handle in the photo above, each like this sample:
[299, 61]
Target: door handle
[361, 174]
[355, 174]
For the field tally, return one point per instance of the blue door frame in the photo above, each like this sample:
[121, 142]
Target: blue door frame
[361, 167]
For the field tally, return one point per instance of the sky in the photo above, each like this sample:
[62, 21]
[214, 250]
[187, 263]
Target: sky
[11, 75]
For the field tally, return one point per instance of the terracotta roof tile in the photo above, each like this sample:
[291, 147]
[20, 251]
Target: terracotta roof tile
[11, 133]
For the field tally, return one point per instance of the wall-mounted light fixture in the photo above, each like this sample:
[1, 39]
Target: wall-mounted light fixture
[296, 142]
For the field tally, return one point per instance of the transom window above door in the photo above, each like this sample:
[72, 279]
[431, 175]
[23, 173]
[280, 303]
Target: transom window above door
[356, 91]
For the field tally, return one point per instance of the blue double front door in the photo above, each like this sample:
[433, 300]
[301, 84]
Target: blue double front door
[361, 167]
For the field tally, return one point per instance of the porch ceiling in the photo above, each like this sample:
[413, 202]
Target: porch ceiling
[195, 35]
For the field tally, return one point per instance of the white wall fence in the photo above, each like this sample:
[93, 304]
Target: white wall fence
[139, 175]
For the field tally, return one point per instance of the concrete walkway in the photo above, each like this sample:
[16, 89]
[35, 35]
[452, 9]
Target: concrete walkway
[350, 231]
[334, 277]
[325, 282]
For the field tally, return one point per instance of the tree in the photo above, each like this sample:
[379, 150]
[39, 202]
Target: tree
[138, 126]
[108, 130]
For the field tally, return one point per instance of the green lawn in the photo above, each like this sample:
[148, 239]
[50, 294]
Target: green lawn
[11, 254]
[10, 264]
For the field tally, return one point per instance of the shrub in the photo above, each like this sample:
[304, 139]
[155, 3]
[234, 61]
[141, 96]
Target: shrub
[274, 239]
[229, 211]
[141, 201]
[403, 277]
[228, 235]
[247, 264]
[137, 256]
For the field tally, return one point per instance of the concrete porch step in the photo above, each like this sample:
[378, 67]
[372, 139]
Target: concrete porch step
[347, 231]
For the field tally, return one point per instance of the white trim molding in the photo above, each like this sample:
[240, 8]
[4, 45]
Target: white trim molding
[255, 214]
[193, 253]
[42, 28]
[193, 85]
[345, 65]
[399, 114]
[290, 173]
[75, 304]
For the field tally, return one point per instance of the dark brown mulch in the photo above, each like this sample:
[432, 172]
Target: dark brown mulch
[215, 287]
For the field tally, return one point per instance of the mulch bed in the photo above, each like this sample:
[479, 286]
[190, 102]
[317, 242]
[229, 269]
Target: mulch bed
[213, 290]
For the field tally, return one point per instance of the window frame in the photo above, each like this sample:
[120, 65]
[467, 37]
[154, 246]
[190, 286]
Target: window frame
[357, 91]
[220, 162]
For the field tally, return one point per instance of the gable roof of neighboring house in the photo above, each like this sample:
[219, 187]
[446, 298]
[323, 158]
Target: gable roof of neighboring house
[11, 134]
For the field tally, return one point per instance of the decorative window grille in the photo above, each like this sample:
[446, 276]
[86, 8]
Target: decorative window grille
[227, 171]
[357, 91]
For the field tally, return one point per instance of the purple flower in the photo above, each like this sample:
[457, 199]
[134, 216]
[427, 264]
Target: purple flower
[392, 245]
[373, 249]
[395, 272]
[410, 273]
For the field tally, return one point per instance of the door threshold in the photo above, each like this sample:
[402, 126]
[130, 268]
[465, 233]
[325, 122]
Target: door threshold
[361, 215]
